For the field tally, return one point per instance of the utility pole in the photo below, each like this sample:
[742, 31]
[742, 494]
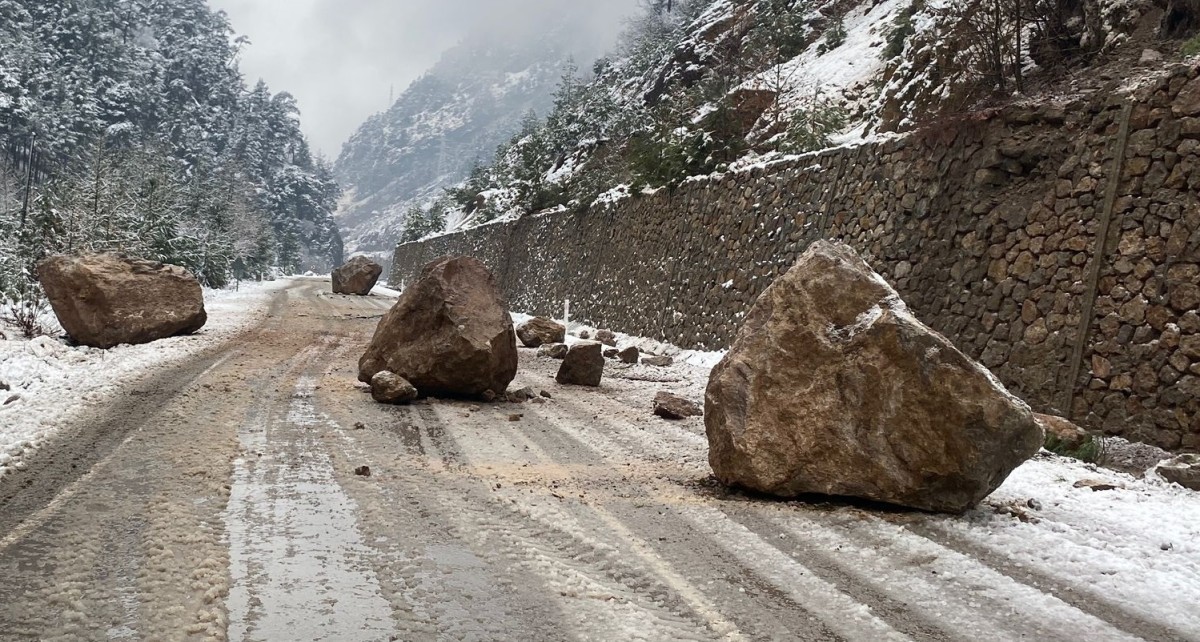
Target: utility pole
[28, 180]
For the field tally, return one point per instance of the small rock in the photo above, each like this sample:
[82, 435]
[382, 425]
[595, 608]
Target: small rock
[515, 417]
[1150, 55]
[554, 350]
[475, 408]
[4, 386]
[358, 425]
[1166, 546]
[629, 355]
[1096, 485]
[547, 395]
[583, 366]
[1034, 504]
[1183, 470]
[520, 396]
[539, 331]
[488, 396]
[1061, 434]
[661, 362]
[611, 353]
[12, 399]
[537, 400]
[391, 388]
[670, 406]
[607, 337]
[363, 471]
[584, 334]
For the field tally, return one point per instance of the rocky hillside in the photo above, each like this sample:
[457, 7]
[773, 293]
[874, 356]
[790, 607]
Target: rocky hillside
[473, 99]
[703, 86]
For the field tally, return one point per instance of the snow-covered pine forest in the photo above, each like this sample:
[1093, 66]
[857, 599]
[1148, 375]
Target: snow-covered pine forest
[126, 126]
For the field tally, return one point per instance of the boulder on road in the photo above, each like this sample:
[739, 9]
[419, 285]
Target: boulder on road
[357, 277]
[449, 334]
[583, 366]
[832, 387]
[389, 387]
[554, 350]
[671, 406]
[539, 331]
[607, 337]
[658, 361]
[630, 355]
[104, 300]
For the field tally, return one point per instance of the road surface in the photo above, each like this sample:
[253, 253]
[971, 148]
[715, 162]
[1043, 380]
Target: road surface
[219, 500]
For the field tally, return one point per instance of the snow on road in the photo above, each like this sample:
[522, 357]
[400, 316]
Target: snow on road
[53, 383]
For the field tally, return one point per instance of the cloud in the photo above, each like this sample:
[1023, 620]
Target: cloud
[343, 58]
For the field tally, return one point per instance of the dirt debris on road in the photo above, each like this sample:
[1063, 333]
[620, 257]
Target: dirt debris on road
[238, 516]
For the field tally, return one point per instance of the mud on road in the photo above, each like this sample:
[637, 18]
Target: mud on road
[219, 500]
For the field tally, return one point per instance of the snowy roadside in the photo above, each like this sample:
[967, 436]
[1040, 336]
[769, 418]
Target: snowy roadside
[1135, 541]
[53, 384]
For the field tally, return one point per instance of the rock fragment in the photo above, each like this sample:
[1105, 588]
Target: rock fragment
[583, 365]
[390, 388]
[672, 406]
[539, 331]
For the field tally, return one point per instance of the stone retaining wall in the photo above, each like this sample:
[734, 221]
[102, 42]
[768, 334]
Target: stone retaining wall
[987, 226]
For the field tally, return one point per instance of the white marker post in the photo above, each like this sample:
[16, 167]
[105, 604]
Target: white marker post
[567, 314]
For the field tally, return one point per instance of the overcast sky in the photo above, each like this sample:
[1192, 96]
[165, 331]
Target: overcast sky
[340, 58]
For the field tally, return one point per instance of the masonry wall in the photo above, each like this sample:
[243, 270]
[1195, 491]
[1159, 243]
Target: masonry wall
[988, 226]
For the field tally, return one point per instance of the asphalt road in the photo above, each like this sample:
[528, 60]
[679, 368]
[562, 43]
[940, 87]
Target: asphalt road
[219, 500]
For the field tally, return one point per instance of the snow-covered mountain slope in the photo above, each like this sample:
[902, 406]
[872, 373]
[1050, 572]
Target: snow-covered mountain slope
[703, 86]
[473, 99]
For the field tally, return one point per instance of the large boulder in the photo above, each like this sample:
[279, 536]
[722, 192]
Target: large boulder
[583, 365]
[449, 334]
[356, 277]
[539, 331]
[104, 300]
[832, 387]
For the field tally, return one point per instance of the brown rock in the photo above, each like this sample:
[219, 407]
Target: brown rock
[104, 300]
[583, 366]
[607, 337]
[832, 387]
[539, 331]
[629, 355]
[356, 277]
[1061, 434]
[611, 353]
[671, 406]
[554, 350]
[388, 387]
[449, 334]
[1183, 470]
[1096, 485]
